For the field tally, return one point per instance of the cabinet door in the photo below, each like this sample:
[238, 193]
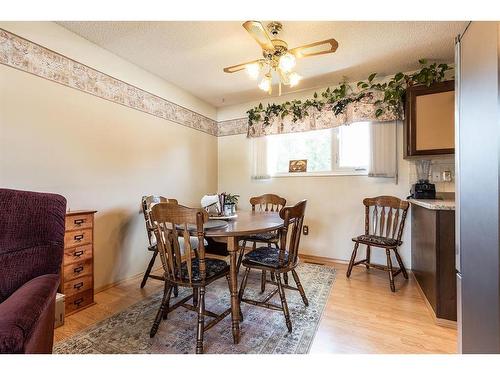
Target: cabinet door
[430, 119]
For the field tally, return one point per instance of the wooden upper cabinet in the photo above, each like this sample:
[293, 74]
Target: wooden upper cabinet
[430, 120]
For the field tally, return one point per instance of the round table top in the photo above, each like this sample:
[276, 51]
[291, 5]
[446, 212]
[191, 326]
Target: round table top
[248, 223]
[210, 224]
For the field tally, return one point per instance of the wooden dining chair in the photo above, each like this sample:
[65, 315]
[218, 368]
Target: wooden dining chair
[147, 202]
[183, 266]
[278, 261]
[385, 218]
[264, 203]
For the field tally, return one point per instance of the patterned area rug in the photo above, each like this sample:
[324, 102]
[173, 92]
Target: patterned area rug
[262, 331]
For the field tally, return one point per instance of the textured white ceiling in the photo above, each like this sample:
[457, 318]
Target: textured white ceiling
[192, 55]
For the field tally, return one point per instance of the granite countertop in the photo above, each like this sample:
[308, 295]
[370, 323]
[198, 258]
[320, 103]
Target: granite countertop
[445, 202]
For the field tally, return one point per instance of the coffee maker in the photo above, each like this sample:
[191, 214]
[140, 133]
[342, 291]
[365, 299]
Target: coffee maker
[423, 189]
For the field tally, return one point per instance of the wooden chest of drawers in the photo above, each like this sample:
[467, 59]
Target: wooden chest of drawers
[77, 271]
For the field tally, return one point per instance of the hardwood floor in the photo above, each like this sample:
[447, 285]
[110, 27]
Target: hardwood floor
[362, 315]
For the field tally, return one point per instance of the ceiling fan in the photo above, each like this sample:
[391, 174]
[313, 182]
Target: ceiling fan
[277, 57]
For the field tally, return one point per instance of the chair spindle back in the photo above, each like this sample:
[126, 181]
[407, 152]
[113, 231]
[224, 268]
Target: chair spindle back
[293, 218]
[385, 216]
[147, 202]
[267, 202]
[170, 221]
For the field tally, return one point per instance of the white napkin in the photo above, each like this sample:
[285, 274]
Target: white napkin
[211, 201]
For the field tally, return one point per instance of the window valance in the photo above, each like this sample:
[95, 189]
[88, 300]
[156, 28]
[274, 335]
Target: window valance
[324, 118]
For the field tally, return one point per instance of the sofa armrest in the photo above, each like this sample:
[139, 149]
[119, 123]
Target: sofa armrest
[21, 313]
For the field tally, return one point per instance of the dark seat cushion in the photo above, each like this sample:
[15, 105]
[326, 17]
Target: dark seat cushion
[263, 237]
[213, 268]
[21, 311]
[265, 256]
[370, 239]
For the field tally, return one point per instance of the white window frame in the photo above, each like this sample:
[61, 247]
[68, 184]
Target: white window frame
[335, 170]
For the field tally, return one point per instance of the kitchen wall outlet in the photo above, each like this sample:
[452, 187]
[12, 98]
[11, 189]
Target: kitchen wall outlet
[305, 230]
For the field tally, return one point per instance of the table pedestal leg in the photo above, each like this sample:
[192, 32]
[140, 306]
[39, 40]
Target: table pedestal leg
[232, 248]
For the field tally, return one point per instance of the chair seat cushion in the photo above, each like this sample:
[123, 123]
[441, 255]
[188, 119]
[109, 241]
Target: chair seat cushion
[213, 268]
[265, 256]
[376, 240]
[263, 237]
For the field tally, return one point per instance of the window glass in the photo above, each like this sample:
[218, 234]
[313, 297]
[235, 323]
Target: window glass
[314, 146]
[341, 150]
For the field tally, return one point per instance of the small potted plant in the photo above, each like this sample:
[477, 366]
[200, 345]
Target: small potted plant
[230, 202]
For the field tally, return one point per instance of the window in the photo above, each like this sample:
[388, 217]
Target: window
[342, 150]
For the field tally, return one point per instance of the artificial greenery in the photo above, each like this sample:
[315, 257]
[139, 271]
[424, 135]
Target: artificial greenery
[339, 97]
[231, 198]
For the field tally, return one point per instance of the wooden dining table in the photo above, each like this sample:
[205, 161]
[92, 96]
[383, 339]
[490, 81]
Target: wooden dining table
[247, 223]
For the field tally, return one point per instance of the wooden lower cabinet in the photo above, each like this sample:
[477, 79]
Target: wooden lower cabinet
[77, 270]
[433, 259]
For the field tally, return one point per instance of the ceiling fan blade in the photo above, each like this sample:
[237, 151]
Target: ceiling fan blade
[259, 33]
[317, 48]
[237, 68]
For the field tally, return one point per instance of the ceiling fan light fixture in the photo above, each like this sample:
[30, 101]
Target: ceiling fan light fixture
[253, 70]
[287, 62]
[294, 79]
[277, 57]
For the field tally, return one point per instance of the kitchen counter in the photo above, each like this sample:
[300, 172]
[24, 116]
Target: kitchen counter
[435, 204]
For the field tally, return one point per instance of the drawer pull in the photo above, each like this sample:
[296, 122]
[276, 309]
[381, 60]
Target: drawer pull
[78, 269]
[78, 253]
[78, 301]
[78, 285]
[78, 237]
[79, 221]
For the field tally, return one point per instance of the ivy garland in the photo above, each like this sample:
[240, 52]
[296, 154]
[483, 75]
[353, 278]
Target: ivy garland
[341, 96]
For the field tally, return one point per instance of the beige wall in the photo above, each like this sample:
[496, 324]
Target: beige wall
[98, 154]
[334, 211]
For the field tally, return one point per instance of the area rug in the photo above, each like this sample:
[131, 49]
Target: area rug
[263, 331]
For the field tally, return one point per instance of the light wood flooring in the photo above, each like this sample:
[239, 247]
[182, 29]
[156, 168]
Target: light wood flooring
[362, 315]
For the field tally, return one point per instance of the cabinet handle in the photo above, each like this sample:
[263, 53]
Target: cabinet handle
[78, 269]
[78, 237]
[79, 221]
[78, 285]
[78, 253]
[78, 301]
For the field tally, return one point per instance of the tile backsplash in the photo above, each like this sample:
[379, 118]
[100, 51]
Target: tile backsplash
[440, 166]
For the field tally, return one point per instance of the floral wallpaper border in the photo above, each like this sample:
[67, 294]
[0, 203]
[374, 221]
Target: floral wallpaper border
[233, 127]
[27, 56]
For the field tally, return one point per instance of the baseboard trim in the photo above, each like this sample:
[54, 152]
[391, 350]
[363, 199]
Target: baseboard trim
[320, 260]
[439, 321]
[121, 281]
